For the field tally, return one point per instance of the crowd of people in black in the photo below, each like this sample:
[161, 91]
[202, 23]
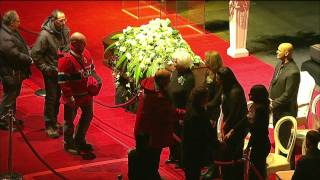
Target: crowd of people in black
[180, 107]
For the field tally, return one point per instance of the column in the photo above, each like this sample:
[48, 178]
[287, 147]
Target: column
[238, 25]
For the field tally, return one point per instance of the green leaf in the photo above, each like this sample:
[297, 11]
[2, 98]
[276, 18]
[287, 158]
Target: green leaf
[111, 46]
[116, 36]
[137, 75]
[121, 60]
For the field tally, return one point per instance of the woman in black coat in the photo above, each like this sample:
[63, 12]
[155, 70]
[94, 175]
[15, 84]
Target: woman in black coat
[198, 134]
[234, 109]
[258, 118]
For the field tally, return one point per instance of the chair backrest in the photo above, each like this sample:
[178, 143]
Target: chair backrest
[315, 113]
[278, 146]
[306, 87]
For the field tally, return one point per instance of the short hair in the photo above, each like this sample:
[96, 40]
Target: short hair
[9, 17]
[313, 139]
[259, 94]
[289, 46]
[198, 94]
[183, 58]
[162, 78]
[55, 13]
[213, 60]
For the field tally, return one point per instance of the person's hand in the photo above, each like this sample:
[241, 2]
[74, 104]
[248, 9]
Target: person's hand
[50, 71]
[8, 80]
[181, 122]
[228, 135]
[71, 102]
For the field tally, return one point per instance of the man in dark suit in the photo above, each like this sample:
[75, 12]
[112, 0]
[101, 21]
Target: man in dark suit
[284, 89]
[14, 63]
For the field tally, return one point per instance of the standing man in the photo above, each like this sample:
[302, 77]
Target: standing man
[14, 63]
[52, 41]
[284, 89]
[74, 69]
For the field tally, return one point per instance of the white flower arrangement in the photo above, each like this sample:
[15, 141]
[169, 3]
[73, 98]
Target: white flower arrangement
[145, 49]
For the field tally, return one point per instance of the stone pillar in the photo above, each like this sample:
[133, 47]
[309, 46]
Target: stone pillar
[238, 25]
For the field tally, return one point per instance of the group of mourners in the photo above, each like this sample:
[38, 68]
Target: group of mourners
[182, 105]
[178, 108]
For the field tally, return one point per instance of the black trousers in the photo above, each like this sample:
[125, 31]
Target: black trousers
[52, 100]
[77, 136]
[11, 90]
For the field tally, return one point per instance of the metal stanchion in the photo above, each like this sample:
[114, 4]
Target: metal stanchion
[10, 175]
[40, 92]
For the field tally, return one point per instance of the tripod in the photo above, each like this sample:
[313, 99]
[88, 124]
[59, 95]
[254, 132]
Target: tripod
[10, 175]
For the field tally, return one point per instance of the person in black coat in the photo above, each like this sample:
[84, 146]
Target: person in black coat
[181, 83]
[198, 134]
[258, 119]
[15, 62]
[51, 43]
[140, 160]
[234, 109]
[284, 89]
[308, 166]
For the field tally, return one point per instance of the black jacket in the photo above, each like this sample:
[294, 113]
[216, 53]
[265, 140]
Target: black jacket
[284, 89]
[14, 53]
[308, 167]
[50, 41]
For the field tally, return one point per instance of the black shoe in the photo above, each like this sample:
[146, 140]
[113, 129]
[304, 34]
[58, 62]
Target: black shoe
[84, 146]
[179, 166]
[59, 126]
[171, 161]
[52, 132]
[70, 148]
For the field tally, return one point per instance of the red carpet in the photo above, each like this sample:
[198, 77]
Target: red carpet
[112, 129]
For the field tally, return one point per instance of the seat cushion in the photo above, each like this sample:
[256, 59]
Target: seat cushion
[276, 163]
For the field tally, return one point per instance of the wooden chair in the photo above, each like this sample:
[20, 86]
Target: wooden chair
[275, 161]
[301, 133]
[285, 175]
[304, 99]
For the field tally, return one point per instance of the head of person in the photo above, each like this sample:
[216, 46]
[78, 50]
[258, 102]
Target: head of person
[199, 96]
[11, 19]
[162, 79]
[259, 94]
[78, 42]
[313, 141]
[285, 51]
[142, 141]
[213, 61]
[59, 19]
[226, 78]
[182, 60]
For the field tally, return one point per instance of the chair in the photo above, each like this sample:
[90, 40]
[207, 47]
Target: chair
[285, 175]
[275, 161]
[301, 133]
[315, 113]
[304, 99]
